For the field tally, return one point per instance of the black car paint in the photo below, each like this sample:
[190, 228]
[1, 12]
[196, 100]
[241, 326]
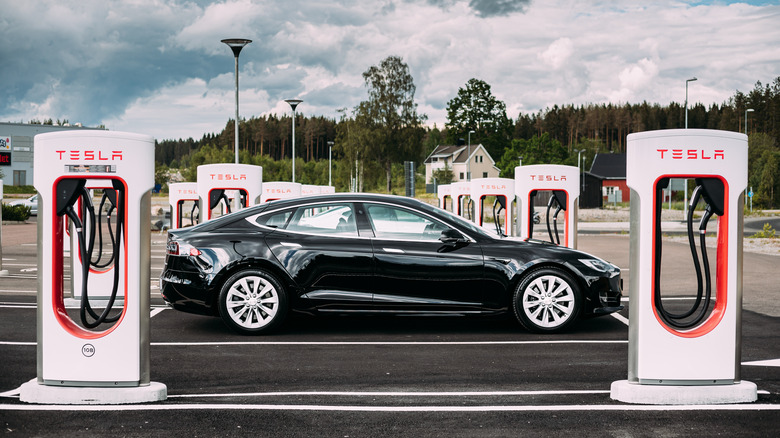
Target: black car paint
[477, 274]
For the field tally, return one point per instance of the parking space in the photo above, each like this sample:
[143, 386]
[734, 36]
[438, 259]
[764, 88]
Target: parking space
[389, 376]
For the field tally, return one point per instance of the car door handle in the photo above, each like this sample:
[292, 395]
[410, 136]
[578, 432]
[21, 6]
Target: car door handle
[394, 250]
[502, 261]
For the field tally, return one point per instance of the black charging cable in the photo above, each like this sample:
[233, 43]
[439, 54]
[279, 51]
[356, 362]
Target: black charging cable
[687, 319]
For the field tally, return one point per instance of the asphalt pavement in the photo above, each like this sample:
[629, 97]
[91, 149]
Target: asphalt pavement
[350, 377]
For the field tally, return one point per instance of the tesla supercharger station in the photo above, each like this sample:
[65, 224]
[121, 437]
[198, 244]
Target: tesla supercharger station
[461, 199]
[89, 355]
[216, 181]
[183, 199]
[689, 353]
[564, 184]
[310, 190]
[503, 190]
[274, 190]
[444, 193]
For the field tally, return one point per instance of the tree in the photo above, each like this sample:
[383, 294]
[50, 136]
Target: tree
[476, 109]
[388, 122]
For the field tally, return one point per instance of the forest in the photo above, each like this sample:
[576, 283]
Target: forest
[553, 135]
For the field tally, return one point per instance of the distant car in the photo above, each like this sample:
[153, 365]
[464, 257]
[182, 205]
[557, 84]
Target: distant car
[376, 254]
[31, 202]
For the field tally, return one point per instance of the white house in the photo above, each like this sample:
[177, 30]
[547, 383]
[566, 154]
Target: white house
[460, 159]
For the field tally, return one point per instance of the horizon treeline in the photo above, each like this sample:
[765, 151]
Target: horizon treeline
[606, 124]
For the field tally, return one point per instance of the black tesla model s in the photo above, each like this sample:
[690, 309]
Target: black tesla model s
[376, 254]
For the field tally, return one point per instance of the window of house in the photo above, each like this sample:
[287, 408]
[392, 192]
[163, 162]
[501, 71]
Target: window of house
[461, 175]
[484, 175]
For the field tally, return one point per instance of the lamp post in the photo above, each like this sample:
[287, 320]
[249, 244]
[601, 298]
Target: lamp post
[293, 104]
[468, 167]
[749, 110]
[236, 44]
[330, 161]
[686, 99]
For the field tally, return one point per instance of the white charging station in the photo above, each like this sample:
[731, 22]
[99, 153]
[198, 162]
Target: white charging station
[327, 190]
[274, 190]
[183, 199]
[104, 361]
[503, 189]
[310, 190]
[563, 182]
[215, 180]
[691, 357]
[444, 194]
[461, 199]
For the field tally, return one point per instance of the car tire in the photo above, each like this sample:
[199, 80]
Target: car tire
[252, 302]
[547, 300]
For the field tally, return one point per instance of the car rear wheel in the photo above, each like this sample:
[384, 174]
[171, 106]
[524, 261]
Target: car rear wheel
[547, 300]
[252, 302]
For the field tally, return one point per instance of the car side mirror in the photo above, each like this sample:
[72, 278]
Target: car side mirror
[451, 237]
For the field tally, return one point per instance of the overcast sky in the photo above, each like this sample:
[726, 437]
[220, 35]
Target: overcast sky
[158, 67]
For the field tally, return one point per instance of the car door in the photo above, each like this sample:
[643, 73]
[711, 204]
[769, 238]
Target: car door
[320, 247]
[415, 271]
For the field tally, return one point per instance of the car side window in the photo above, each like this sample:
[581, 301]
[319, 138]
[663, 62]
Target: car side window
[276, 219]
[395, 223]
[328, 219]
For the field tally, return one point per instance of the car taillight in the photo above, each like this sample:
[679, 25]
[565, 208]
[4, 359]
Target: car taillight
[176, 248]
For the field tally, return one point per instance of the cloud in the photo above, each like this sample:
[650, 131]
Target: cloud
[158, 66]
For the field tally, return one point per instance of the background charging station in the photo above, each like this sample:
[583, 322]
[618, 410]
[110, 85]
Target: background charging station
[563, 182]
[444, 194]
[673, 359]
[503, 190]
[310, 190]
[109, 362]
[461, 199]
[183, 199]
[216, 180]
[274, 190]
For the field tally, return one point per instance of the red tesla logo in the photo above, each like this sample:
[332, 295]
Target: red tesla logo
[90, 155]
[692, 154]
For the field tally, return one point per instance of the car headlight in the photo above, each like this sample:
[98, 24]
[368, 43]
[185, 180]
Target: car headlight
[597, 265]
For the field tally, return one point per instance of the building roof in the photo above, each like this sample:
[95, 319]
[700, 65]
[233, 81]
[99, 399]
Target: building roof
[609, 166]
[459, 154]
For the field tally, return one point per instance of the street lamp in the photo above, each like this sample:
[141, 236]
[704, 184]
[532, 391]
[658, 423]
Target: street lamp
[749, 110]
[330, 157]
[686, 99]
[236, 44]
[293, 104]
[468, 167]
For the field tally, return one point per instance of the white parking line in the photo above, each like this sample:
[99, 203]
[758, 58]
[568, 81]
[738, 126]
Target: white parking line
[415, 343]
[394, 393]
[272, 407]
[620, 318]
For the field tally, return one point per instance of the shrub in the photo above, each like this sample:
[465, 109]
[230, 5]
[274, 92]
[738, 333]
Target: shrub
[767, 233]
[16, 212]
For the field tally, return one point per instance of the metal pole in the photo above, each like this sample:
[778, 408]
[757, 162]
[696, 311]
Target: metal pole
[236, 121]
[236, 44]
[749, 110]
[293, 104]
[686, 104]
[330, 161]
[3, 273]
[468, 168]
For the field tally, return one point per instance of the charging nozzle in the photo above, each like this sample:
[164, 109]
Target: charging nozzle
[68, 192]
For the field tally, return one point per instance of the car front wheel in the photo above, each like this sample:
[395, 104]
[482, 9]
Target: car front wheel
[252, 302]
[547, 301]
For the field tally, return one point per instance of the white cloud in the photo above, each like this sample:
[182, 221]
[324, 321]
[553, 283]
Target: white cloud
[157, 66]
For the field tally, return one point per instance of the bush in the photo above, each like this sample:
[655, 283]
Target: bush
[16, 212]
[767, 233]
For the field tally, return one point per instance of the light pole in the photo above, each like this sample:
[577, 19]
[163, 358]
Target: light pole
[293, 104]
[749, 110]
[236, 44]
[468, 167]
[686, 99]
[330, 161]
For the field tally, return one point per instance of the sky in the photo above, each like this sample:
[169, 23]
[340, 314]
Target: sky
[157, 67]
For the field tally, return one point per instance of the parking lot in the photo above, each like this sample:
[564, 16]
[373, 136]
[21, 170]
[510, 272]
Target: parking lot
[389, 376]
